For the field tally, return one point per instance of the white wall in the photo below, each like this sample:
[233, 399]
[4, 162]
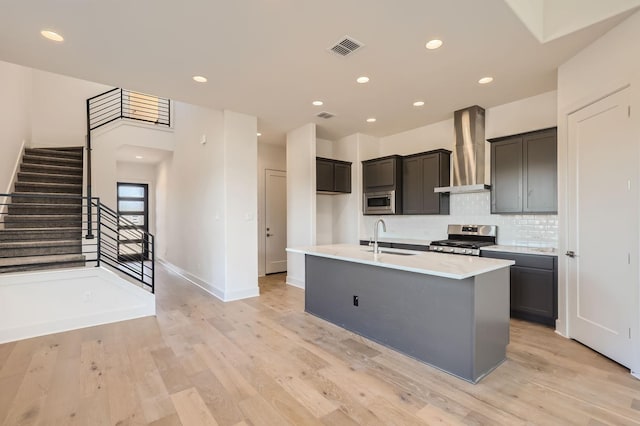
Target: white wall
[106, 142]
[270, 157]
[15, 132]
[59, 116]
[193, 225]
[301, 198]
[528, 114]
[241, 205]
[607, 65]
[208, 209]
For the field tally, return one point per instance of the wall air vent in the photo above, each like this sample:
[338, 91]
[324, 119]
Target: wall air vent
[325, 115]
[346, 46]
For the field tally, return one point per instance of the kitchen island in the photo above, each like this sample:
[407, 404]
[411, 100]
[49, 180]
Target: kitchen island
[449, 311]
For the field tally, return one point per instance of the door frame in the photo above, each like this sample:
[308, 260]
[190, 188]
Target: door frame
[146, 214]
[591, 95]
[264, 227]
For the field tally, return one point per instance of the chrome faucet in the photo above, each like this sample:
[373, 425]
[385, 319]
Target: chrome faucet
[376, 249]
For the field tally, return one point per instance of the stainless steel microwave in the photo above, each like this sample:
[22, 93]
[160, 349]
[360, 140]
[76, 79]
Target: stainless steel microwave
[380, 202]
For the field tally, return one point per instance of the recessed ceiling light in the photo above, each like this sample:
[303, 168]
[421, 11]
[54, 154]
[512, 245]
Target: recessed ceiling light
[200, 79]
[363, 79]
[258, 134]
[418, 103]
[139, 157]
[433, 44]
[371, 120]
[485, 80]
[51, 35]
[317, 103]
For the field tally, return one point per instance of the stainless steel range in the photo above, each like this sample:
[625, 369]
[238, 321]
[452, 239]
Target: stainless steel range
[466, 239]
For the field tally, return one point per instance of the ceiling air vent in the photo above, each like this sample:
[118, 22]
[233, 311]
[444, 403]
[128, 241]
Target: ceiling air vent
[346, 46]
[325, 115]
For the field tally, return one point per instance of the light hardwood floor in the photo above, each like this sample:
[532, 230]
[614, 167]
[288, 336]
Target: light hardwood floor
[263, 361]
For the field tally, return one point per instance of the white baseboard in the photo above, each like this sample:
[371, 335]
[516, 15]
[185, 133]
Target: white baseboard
[295, 282]
[209, 288]
[635, 374]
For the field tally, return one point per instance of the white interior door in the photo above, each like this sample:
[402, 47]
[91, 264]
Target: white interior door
[603, 226]
[275, 221]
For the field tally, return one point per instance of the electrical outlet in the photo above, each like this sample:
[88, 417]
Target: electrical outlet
[356, 300]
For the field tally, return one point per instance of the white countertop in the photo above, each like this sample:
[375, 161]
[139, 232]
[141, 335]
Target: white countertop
[437, 264]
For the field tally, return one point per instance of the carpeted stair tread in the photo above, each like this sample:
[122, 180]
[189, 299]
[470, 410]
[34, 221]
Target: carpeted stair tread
[35, 260]
[39, 209]
[16, 249]
[40, 234]
[45, 168]
[45, 198]
[44, 243]
[43, 208]
[49, 177]
[55, 161]
[47, 152]
[53, 188]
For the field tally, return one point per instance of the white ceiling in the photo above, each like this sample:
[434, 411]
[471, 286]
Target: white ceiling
[269, 58]
[129, 154]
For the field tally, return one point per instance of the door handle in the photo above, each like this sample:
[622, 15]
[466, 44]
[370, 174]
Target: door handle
[570, 253]
[269, 235]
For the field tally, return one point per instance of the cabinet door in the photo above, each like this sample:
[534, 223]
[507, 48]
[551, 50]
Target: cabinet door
[532, 291]
[412, 185]
[431, 179]
[379, 175]
[370, 176]
[324, 175]
[386, 172]
[506, 176]
[540, 177]
[342, 175]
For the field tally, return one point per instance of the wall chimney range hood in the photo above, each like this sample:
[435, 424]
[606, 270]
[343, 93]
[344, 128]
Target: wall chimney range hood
[468, 153]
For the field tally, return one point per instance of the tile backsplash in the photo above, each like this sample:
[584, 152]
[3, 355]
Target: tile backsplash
[522, 230]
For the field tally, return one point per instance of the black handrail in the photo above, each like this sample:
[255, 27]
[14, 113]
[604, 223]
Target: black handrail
[107, 247]
[116, 104]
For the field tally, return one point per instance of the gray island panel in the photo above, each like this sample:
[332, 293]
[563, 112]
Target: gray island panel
[454, 325]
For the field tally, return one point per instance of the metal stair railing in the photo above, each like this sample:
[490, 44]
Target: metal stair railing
[46, 231]
[118, 104]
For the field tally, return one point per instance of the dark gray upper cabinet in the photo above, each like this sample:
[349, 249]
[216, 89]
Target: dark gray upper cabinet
[524, 173]
[540, 177]
[382, 174]
[421, 173]
[333, 176]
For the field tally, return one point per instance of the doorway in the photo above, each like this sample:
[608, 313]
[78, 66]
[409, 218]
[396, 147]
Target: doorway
[602, 262]
[275, 221]
[133, 206]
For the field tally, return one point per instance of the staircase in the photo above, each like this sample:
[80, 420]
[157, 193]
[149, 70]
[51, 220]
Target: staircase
[41, 224]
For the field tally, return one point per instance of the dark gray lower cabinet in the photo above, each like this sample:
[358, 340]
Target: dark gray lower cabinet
[534, 286]
[459, 326]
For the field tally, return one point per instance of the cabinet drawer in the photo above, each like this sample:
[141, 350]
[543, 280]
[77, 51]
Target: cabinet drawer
[524, 260]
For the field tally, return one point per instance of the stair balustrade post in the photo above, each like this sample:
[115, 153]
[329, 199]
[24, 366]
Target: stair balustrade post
[89, 235]
[98, 222]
